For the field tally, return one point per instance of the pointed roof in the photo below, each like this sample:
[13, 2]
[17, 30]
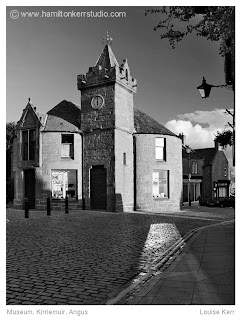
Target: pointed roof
[207, 154]
[30, 109]
[65, 116]
[107, 58]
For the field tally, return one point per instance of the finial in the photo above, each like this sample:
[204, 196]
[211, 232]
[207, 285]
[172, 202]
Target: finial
[107, 40]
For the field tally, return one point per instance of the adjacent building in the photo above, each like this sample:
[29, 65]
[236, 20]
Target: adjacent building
[206, 172]
[215, 173]
[193, 170]
[103, 155]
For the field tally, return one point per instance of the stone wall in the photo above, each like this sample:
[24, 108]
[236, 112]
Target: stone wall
[146, 163]
[213, 173]
[51, 160]
[220, 162]
[99, 150]
[124, 171]
[207, 186]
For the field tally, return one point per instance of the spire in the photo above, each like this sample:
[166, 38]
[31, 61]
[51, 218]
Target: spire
[107, 58]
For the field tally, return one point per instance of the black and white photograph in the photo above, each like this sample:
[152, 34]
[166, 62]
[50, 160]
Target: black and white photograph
[120, 161]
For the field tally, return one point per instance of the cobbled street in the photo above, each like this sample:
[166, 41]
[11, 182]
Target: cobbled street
[87, 257]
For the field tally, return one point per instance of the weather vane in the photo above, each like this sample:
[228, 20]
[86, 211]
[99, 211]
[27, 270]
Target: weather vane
[107, 40]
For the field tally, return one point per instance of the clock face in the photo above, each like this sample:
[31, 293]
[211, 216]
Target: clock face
[97, 102]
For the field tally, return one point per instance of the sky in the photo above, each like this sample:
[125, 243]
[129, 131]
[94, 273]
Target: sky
[44, 56]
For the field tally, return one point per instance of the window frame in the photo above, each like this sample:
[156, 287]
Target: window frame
[160, 147]
[167, 177]
[65, 185]
[28, 145]
[124, 158]
[70, 144]
[194, 167]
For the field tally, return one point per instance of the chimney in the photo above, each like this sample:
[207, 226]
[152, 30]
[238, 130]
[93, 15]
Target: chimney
[217, 145]
[182, 137]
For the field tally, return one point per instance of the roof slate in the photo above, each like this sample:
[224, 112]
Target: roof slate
[145, 124]
[107, 58]
[207, 154]
[54, 123]
[66, 116]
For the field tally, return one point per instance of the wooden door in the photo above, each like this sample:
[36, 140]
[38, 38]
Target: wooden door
[29, 181]
[98, 188]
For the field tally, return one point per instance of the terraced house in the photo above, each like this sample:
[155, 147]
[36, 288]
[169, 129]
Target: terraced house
[103, 155]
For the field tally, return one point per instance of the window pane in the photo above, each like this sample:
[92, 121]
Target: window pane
[25, 144]
[32, 144]
[65, 150]
[160, 142]
[159, 153]
[67, 138]
[163, 183]
[64, 183]
[68, 145]
[155, 185]
[72, 184]
[160, 183]
[222, 192]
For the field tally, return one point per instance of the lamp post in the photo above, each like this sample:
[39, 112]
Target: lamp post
[188, 151]
[204, 90]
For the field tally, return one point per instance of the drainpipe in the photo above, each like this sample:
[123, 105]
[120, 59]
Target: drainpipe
[134, 167]
[83, 199]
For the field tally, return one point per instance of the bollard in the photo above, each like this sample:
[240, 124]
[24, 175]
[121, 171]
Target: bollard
[26, 208]
[48, 207]
[66, 205]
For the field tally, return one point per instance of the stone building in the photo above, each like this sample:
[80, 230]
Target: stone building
[194, 170]
[215, 173]
[103, 155]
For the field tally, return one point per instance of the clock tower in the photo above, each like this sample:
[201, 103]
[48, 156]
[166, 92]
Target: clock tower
[107, 123]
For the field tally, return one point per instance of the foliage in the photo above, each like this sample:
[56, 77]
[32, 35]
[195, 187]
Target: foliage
[10, 133]
[225, 138]
[214, 23]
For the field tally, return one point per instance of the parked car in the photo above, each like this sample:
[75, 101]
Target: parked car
[225, 202]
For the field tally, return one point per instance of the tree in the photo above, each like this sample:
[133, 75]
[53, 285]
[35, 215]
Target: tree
[225, 138]
[214, 23]
[10, 133]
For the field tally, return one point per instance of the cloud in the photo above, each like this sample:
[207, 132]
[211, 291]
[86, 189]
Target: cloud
[216, 118]
[196, 135]
[200, 128]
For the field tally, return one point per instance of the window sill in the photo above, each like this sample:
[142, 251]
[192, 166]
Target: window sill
[63, 199]
[67, 158]
[160, 198]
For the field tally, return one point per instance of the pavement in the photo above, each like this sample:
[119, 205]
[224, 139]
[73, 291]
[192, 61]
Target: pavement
[203, 274]
[89, 257]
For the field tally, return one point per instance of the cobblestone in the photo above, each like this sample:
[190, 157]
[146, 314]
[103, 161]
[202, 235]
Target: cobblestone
[86, 257]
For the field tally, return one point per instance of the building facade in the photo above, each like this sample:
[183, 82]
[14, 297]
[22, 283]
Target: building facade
[192, 175]
[215, 173]
[104, 155]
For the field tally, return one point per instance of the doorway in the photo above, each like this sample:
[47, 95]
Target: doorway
[98, 187]
[29, 185]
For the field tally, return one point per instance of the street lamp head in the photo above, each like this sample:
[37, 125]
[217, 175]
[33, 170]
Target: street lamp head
[204, 89]
[188, 150]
